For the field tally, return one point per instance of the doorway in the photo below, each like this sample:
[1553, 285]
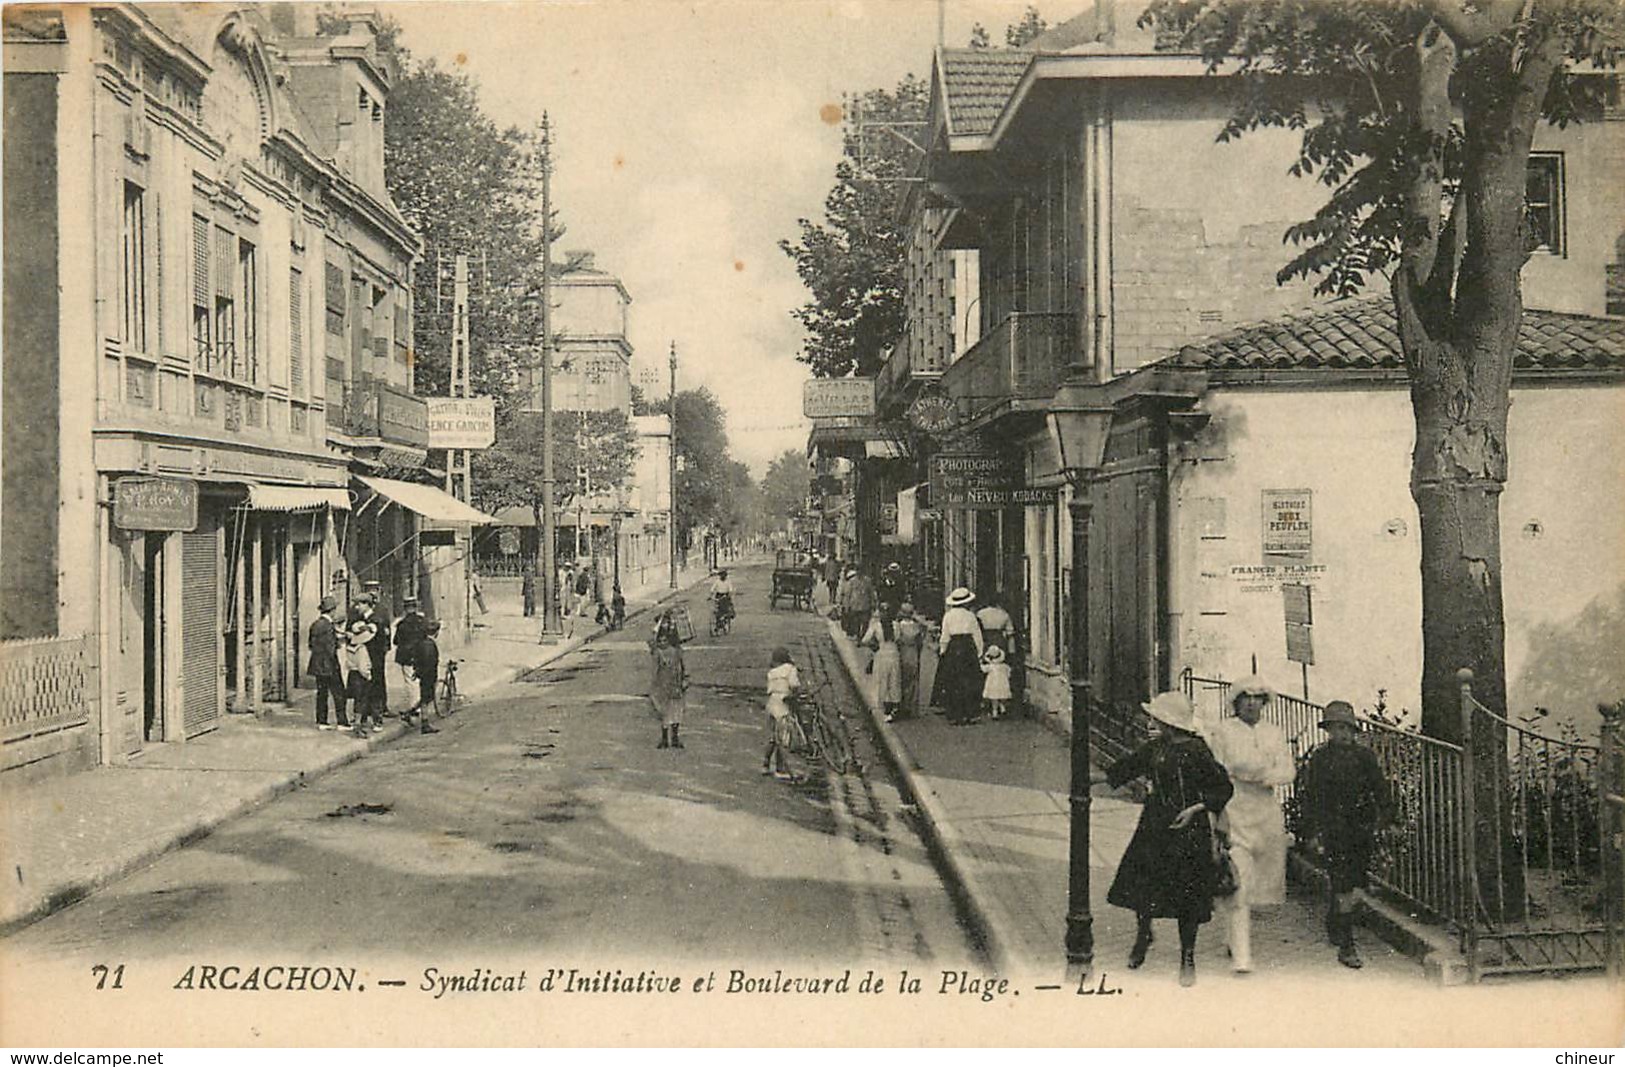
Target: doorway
[152, 637]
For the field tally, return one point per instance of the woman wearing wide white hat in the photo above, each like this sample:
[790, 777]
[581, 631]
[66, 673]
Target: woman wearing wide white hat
[1167, 871]
[1256, 756]
[958, 688]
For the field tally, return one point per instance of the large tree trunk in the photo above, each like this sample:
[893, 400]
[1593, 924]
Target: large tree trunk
[1459, 306]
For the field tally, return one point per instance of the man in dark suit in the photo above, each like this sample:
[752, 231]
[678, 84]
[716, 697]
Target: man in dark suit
[325, 667]
[377, 650]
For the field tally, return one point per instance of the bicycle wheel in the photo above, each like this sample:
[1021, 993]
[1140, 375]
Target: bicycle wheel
[448, 695]
[836, 752]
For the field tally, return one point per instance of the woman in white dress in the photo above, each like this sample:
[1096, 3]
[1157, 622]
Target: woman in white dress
[1256, 756]
[958, 687]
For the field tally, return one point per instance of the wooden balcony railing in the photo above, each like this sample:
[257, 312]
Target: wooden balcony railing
[1022, 358]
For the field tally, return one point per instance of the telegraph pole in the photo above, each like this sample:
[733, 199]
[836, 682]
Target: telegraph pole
[671, 458]
[550, 595]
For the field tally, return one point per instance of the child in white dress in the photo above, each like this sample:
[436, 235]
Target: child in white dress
[782, 681]
[996, 684]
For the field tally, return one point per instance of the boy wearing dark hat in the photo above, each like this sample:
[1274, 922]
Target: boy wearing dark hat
[325, 667]
[1344, 800]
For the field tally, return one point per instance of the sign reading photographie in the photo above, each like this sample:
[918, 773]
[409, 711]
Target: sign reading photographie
[158, 504]
[824, 398]
[980, 481]
[1288, 526]
[462, 422]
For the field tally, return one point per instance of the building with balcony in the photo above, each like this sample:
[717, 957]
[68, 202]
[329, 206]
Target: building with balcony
[1083, 178]
[213, 300]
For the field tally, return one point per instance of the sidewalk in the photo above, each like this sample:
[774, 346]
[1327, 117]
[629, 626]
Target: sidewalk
[994, 799]
[63, 838]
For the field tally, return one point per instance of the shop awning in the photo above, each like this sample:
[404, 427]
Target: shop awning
[426, 500]
[853, 438]
[297, 497]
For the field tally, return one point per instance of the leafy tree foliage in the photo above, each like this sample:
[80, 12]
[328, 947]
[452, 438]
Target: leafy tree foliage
[510, 474]
[785, 487]
[852, 261]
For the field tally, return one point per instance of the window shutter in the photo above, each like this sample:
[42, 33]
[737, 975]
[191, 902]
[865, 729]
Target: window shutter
[225, 255]
[296, 331]
[200, 262]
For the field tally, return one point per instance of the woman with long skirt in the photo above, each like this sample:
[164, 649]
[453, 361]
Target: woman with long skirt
[1168, 869]
[958, 686]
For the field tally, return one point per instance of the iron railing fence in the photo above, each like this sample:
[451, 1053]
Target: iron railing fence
[1542, 895]
[1611, 784]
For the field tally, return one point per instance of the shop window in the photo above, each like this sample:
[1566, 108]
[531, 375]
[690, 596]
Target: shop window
[1543, 202]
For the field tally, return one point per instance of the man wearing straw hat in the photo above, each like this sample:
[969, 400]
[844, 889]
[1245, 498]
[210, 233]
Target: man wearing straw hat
[1255, 755]
[1344, 798]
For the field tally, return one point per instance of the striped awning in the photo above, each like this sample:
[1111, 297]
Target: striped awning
[297, 497]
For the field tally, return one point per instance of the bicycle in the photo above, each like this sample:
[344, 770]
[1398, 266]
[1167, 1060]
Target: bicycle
[447, 702]
[820, 741]
[722, 615]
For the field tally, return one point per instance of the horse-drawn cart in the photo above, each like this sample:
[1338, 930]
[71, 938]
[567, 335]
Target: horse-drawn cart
[793, 578]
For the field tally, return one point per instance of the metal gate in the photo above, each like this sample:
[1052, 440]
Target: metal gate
[200, 627]
[1548, 898]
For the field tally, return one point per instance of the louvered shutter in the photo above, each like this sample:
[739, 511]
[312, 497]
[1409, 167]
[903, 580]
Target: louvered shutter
[200, 627]
[158, 260]
[224, 254]
[200, 262]
[296, 331]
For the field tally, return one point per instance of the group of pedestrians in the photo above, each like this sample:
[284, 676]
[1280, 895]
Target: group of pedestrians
[1211, 828]
[348, 663]
[975, 650]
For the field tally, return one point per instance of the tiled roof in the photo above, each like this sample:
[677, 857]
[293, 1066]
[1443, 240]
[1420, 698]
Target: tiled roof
[1364, 334]
[978, 82]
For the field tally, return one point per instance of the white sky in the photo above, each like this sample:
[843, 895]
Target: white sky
[689, 141]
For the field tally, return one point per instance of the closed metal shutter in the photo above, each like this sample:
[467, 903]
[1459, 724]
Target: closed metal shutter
[200, 627]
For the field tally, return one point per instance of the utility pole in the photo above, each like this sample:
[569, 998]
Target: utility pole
[550, 595]
[457, 460]
[671, 458]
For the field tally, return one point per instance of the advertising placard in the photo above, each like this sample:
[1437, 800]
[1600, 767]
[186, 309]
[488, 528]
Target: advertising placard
[823, 398]
[462, 422]
[158, 504]
[1288, 526]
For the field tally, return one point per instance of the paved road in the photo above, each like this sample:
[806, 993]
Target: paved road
[543, 817]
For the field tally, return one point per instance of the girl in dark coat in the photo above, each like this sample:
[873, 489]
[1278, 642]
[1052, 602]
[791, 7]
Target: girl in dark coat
[1168, 871]
[958, 686]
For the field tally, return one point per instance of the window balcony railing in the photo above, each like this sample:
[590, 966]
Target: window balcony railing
[1023, 358]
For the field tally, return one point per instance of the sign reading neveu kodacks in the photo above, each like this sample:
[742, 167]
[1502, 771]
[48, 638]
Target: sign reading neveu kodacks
[462, 422]
[157, 504]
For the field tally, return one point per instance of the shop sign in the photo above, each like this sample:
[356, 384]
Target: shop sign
[462, 422]
[823, 398]
[1288, 526]
[933, 413]
[976, 480]
[159, 504]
